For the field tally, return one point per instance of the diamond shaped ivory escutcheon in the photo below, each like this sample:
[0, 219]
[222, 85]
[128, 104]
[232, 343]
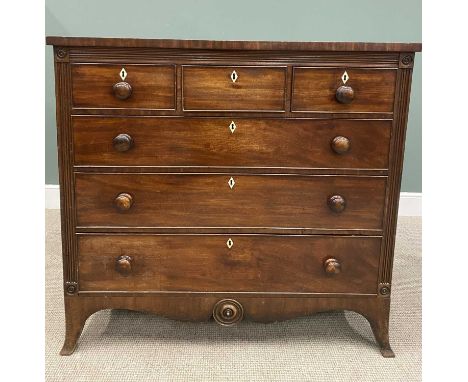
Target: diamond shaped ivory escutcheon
[229, 243]
[231, 182]
[123, 74]
[234, 76]
[232, 127]
[345, 77]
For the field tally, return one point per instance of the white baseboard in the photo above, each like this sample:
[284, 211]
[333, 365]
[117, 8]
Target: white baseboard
[410, 202]
[52, 196]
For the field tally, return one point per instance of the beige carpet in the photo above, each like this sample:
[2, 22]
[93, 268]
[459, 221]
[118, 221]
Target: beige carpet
[126, 346]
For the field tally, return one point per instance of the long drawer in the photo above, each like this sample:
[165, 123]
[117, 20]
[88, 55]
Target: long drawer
[223, 200]
[169, 141]
[205, 263]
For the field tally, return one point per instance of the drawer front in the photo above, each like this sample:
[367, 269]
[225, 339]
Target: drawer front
[214, 88]
[315, 90]
[200, 200]
[204, 263]
[151, 86]
[231, 143]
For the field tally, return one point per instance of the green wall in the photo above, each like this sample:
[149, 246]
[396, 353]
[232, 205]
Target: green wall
[293, 20]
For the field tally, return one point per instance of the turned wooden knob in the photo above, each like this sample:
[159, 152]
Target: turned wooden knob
[340, 144]
[228, 312]
[122, 142]
[344, 94]
[123, 201]
[122, 90]
[332, 266]
[123, 265]
[336, 203]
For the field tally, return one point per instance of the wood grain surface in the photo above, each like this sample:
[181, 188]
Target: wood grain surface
[234, 45]
[153, 86]
[314, 89]
[204, 263]
[256, 88]
[209, 142]
[206, 200]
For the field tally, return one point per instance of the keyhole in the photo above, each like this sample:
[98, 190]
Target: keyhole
[234, 76]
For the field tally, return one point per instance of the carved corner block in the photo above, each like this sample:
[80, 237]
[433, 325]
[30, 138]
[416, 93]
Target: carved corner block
[384, 290]
[61, 54]
[71, 287]
[406, 60]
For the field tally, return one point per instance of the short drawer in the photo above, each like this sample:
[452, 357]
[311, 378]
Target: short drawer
[234, 142]
[343, 90]
[249, 88]
[123, 86]
[218, 200]
[205, 263]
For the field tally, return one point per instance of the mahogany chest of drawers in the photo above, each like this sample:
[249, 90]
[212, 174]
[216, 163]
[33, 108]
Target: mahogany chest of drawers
[255, 180]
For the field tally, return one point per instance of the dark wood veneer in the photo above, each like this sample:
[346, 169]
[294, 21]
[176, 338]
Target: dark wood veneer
[253, 88]
[315, 89]
[396, 156]
[66, 176]
[196, 307]
[233, 45]
[149, 221]
[210, 142]
[204, 263]
[206, 200]
[152, 86]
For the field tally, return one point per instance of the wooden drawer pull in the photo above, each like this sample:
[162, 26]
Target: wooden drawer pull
[344, 94]
[123, 265]
[336, 203]
[332, 266]
[123, 201]
[228, 312]
[122, 142]
[340, 144]
[122, 90]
